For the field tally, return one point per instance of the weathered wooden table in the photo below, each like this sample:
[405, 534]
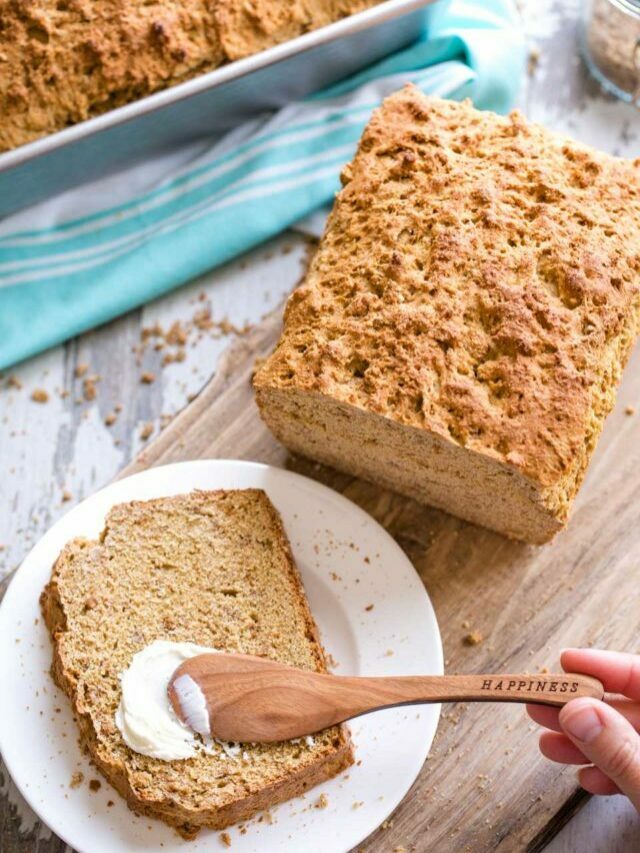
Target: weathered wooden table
[55, 453]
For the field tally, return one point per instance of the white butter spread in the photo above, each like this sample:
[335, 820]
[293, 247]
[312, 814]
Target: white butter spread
[147, 721]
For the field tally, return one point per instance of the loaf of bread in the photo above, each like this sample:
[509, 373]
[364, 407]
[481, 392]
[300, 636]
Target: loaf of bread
[63, 61]
[467, 316]
[212, 568]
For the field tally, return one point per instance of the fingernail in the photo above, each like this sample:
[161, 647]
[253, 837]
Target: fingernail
[583, 724]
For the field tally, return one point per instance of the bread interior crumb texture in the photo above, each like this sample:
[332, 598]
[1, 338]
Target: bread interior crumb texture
[213, 568]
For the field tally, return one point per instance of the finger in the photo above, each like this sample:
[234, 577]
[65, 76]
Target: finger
[593, 780]
[608, 740]
[545, 716]
[559, 748]
[628, 709]
[618, 671]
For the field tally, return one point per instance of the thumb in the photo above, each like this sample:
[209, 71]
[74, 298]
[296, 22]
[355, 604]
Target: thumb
[607, 739]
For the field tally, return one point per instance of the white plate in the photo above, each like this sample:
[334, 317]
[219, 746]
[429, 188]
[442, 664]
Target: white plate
[347, 562]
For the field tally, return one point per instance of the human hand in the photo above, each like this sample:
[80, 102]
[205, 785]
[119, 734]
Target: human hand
[602, 734]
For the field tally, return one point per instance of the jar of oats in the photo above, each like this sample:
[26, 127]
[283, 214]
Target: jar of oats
[611, 45]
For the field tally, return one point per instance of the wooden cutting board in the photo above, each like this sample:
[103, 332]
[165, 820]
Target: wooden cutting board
[485, 786]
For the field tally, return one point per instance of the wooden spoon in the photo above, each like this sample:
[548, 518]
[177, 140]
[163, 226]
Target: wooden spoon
[250, 699]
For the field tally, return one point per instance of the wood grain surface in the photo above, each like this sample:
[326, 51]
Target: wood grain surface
[484, 786]
[51, 456]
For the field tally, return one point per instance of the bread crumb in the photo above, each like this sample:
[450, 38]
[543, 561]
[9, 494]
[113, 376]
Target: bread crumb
[77, 779]
[147, 378]
[533, 61]
[95, 785]
[202, 319]
[630, 410]
[387, 824]
[177, 334]
[14, 382]
[369, 608]
[39, 395]
[154, 331]
[466, 624]
[110, 419]
[544, 669]
[81, 369]
[110, 803]
[225, 838]
[322, 802]
[171, 357]
[473, 638]
[89, 390]
[146, 431]
[332, 663]
[66, 496]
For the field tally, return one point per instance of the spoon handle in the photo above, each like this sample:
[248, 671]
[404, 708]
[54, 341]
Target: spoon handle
[545, 689]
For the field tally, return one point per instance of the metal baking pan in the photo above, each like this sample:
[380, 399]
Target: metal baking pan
[207, 105]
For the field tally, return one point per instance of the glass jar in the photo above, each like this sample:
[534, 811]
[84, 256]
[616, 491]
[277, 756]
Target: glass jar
[611, 45]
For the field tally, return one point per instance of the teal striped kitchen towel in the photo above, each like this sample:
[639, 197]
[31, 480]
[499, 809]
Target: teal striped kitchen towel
[87, 256]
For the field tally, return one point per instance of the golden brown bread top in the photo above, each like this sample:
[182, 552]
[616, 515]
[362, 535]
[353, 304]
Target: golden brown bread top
[478, 278]
[248, 26]
[62, 61]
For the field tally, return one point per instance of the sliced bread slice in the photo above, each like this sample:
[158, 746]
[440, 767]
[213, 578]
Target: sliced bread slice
[212, 568]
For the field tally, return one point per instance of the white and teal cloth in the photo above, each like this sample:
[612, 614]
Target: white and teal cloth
[100, 250]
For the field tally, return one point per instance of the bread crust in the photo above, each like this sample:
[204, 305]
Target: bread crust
[246, 28]
[186, 821]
